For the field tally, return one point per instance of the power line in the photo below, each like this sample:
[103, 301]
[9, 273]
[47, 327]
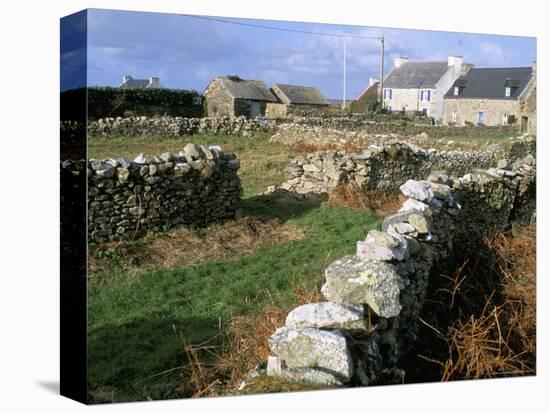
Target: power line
[259, 26]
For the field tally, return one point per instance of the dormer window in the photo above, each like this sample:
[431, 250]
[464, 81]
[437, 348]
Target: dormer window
[507, 91]
[456, 90]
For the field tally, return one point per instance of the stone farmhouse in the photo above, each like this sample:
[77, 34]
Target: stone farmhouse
[231, 96]
[421, 86]
[128, 82]
[292, 97]
[493, 96]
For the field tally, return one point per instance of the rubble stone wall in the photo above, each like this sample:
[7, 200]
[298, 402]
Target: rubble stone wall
[127, 199]
[177, 126]
[374, 297]
[389, 166]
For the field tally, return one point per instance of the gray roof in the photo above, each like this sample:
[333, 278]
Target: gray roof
[247, 89]
[416, 75]
[372, 90]
[295, 94]
[135, 83]
[490, 83]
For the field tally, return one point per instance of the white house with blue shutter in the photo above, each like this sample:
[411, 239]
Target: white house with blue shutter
[420, 86]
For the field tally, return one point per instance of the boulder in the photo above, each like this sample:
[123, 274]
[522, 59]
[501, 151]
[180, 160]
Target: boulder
[313, 353]
[357, 281]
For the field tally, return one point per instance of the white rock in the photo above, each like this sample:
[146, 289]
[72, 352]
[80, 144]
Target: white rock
[419, 190]
[327, 315]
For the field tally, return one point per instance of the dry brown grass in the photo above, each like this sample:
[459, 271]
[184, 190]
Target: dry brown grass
[183, 246]
[350, 196]
[501, 339]
[307, 148]
[220, 370]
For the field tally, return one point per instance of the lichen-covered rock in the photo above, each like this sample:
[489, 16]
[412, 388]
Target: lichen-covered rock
[382, 246]
[353, 280]
[314, 351]
[327, 315]
[418, 190]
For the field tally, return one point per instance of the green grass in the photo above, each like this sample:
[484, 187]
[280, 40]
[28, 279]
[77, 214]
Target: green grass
[262, 162]
[137, 327]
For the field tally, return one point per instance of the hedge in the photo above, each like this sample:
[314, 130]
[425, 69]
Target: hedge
[113, 102]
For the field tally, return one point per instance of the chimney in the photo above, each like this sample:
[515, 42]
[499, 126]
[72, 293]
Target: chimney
[398, 61]
[126, 78]
[153, 82]
[372, 81]
[454, 60]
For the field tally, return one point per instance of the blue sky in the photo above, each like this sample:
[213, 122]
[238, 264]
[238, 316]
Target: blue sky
[187, 52]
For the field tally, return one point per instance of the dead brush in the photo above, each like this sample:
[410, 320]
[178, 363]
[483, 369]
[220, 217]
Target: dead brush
[379, 201]
[219, 370]
[306, 148]
[480, 347]
[499, 338]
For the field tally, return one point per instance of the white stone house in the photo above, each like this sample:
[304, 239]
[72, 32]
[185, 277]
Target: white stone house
[493, 96]
[128, 82]
[421, 86]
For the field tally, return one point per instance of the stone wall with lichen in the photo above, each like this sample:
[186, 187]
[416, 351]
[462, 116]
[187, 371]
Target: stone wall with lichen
[387, 167]
[127, 199]
[374, 297]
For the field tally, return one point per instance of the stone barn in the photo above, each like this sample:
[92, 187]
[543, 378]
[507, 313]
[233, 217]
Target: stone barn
[295, 97]
[493, 96]
[232, 96]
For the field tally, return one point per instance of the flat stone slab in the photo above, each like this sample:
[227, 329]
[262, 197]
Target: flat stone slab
[357, 281]
[312, 349]
[306, 375]
[327, 315]
[419, 190]
[388, 247]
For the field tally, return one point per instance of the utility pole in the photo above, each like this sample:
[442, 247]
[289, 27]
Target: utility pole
[345, 57]
[382, 72]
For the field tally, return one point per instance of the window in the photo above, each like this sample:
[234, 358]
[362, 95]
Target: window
[425, 111]
[456, 90]
[389, 108]
[454, 116]
[387, 94]
[504, 119]
[480, 118]
[425, 95]
[507, 91]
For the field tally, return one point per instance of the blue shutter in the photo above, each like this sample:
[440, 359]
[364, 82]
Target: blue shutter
[385, 90]
[429, 93]
[421, 95]
[390, 93]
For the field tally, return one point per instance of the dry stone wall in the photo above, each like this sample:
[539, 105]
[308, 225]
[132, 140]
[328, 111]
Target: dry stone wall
[387, 167]
[358, 131]
[126, 198]
[178, 126]
[374, 297]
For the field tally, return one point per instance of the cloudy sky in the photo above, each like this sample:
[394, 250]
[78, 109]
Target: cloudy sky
[187, 52]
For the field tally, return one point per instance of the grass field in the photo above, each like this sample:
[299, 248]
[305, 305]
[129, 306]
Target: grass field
[262, 162]
[147, 299]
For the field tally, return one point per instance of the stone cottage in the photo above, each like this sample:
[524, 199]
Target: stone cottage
[421, 86]
[295, 98]
[232, 96]
[493, 96]
[128, 82]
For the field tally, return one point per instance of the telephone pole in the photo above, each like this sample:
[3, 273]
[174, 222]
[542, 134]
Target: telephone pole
[381, 72]
[345, 57]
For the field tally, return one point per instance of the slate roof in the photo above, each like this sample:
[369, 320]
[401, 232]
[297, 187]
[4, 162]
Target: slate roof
[294, 94]
[416, 75]
[490, 83]
[135, 84]
[247, 89]
[370, 91]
